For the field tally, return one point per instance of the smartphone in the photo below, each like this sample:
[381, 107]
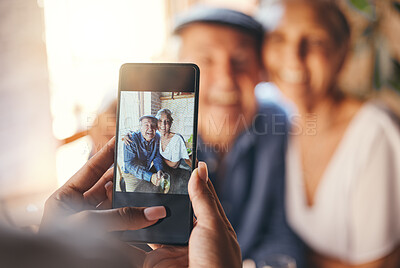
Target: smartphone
[156, 146]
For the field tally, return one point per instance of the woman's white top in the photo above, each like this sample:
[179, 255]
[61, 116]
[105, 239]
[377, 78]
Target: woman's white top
[175, 150]
[356, 212]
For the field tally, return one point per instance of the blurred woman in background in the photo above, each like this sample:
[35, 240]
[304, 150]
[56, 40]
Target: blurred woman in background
[343, 159]
[172, 145]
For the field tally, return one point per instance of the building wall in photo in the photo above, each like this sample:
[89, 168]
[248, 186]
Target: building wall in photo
[182, 111]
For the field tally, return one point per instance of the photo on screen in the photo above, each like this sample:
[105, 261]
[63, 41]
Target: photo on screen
[155, 142]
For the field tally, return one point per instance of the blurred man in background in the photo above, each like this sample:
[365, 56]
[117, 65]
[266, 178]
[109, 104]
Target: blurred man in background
[243, 144]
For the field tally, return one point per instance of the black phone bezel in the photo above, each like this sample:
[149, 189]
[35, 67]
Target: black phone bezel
[161, 77]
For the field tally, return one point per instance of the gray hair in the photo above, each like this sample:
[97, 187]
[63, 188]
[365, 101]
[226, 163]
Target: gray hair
[167, 112]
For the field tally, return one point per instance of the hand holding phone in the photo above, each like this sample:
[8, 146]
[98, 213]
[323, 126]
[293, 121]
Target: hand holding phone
[213, 241]
[76, 202]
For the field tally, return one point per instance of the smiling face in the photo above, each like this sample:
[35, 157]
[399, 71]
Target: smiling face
[164, 124]
[301, 54]
[148, 128]
[230, 65]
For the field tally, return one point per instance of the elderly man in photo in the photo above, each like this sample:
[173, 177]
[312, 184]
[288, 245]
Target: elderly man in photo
[141, 150]
[242, 142]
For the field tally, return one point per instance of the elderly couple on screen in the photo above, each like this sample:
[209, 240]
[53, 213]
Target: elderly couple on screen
[147, 147]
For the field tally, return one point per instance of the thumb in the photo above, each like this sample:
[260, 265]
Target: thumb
[203, 199]
[120, 219]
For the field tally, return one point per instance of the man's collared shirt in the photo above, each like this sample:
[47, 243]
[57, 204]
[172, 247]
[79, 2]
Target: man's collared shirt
[139, 155]
[249, 181]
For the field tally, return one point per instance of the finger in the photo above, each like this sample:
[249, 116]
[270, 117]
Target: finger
[109, 190]
[93, 170]
[220, 208]
[203, 173]
[203, 200]
[119, 219]
[203, 170]
[98, 192]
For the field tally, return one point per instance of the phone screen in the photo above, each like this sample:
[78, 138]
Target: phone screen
[156, 146]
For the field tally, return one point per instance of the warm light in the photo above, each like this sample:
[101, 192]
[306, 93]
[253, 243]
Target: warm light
[87, 42]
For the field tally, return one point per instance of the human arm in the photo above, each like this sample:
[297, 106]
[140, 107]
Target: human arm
[188, 162]
[158, 160]
[171, 164]
[177, 152]
[131, 160]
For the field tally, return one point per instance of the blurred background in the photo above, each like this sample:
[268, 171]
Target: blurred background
[59, 77]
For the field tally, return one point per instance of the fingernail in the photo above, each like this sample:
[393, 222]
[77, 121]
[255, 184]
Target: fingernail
[155, 213]
[108, 185]
[202, 170]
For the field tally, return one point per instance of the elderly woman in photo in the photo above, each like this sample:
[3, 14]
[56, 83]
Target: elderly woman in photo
[343, 178]
[172, 145]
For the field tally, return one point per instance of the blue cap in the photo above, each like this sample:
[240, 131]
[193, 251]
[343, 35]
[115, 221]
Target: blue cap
[149, 116]
[221, 16]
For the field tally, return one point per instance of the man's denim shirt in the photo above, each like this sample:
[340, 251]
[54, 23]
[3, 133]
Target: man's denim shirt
[139, 155]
